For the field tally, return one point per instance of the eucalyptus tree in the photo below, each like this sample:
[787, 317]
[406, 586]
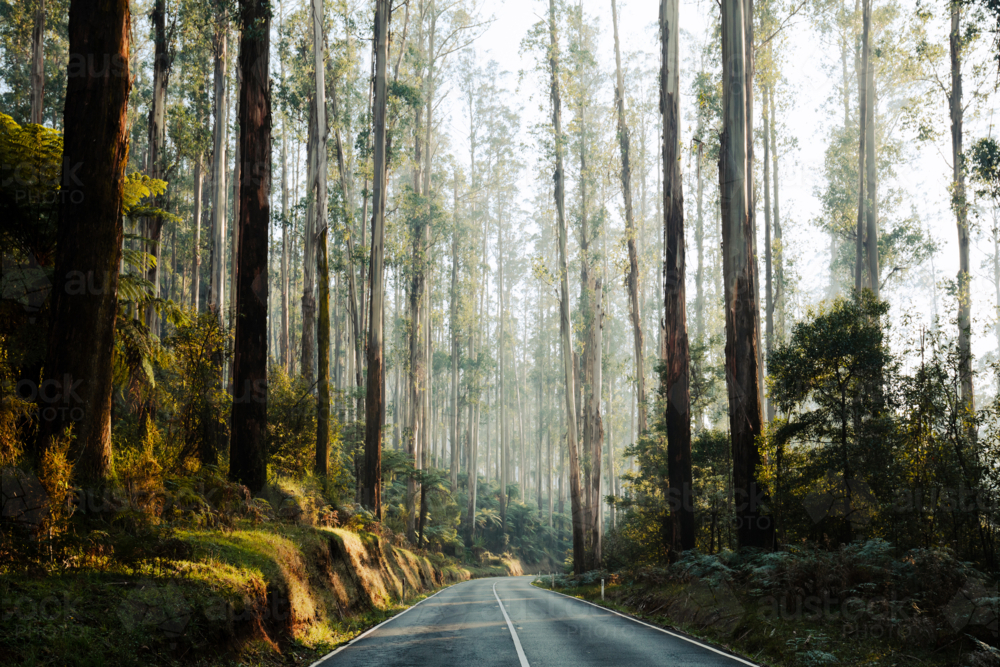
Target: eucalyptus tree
[163, 55]
[247, 447]
[677, 362]
[582, 77]
[565, 323]
[371, 491]
[322, 265]
[216, 295]
[740, 272]
[632, 279]
[38, 62]
[89, 234]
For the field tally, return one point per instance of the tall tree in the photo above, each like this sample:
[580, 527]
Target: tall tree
[677, 363]
[632, 278]
[157, 133]
[956, 112]
[199, 179]
[322, 267]
[38, 63]
[740, 272]
[248, 448]
[216, 296]
[371, 494]
[455, 332]
[565, 321]
[89, 234]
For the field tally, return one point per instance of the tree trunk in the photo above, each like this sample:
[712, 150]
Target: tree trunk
[677, 373]
[38, 63]
[861, 274]
[309, 256]
[777, 250]
[565, 320]
[768, 254]
[196, 250]
[286, 231]
[418, 368]
[157, 134]
[234, 238]
[371, 494]
[216, 296]
[740, 274]
[322, 267]
[871, 194]
[89, 238]
[960, 207]
[354, 308]
[248, 447]
[501, 394]
[453, 325]
[632, 278]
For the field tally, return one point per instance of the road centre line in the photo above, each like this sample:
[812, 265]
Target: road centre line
[510, 626]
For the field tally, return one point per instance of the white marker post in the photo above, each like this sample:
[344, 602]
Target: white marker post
[602, 590]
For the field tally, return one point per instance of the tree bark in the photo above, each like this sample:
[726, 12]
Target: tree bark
[89, 238]
[454, 327]
[960, 208]
[157, 134]
[861, 274]
[565, 320]
[677, 362]
[768, 254]
[248, 446]
[286, 230]
[322, 267]
[217, 288]
[38, 63]
[371, 494]
[777, 250]
[632, 278]
[196, 250]
[871, 167]
[740, 274]
[308, 348]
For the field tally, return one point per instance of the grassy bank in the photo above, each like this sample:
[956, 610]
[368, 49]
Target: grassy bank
[264, 588]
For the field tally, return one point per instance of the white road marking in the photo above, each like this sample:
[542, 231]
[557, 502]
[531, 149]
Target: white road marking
[658, 629]
[368, 632]
[510, 626]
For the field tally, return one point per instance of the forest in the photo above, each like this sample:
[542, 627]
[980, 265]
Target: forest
[312, 308]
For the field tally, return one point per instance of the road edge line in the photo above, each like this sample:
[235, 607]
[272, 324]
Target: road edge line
[371, 630]
[654, 627]
[513, 633]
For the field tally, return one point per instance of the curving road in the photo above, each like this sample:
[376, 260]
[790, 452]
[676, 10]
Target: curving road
[509, 622]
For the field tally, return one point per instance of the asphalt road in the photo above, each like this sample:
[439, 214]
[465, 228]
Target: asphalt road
[509, 622]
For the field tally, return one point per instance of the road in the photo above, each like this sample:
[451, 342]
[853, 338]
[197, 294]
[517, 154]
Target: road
[509, 622]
